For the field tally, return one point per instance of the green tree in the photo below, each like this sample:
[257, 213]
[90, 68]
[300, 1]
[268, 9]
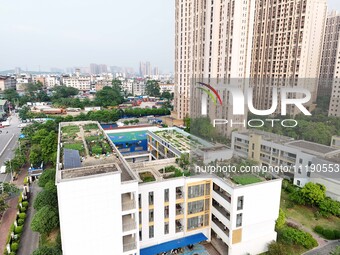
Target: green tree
[45, 220]
[152, 88]
[64, 92]
[167, 95]
[11, 95]
[46, 176]
[108, 97]
[35, 155]
[46, 198]
[3, 204]
[275, 248]
[331, 206]
[313, 194]
[117, 85]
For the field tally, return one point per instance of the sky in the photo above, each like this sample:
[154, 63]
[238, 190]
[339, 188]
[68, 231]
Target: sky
[68, 33]
[40, 34]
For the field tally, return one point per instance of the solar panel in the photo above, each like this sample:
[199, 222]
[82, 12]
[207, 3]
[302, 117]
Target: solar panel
[71, 159]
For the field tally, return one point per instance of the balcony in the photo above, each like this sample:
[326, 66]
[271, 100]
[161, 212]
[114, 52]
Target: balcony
[179, 193]
[129, 223]
[129, 243]
[221, 226]
[179, 209]
[128, 202]
[221, 210]
[222, 193]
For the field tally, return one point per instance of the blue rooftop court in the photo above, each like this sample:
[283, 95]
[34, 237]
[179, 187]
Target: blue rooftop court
[132, 141]
[179, 243]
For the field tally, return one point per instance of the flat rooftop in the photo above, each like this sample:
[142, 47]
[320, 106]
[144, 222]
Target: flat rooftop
[86, 171]
[313, 148]
[85, 150]
[267, 136]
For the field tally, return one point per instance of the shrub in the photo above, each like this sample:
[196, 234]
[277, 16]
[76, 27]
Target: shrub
[18, 230]
[275, 248]
[45, 197]
[330, 206]
[14, 247]
[21, 222]
[23, 209]
[45, 220]
[25, 204]
[280, 222]
[22, 215]
[47, 175]
[295, 236]
[327, 233]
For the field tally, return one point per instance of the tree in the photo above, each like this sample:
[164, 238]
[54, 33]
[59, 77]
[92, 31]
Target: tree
[3, 205]
[313, 194]
[152, 88]
[46, 176]
[108, 97]
[117, 85]
[64, 92]
[45, 220]
[46, 198]
[35, 155]
[11, 95]
[167, 95]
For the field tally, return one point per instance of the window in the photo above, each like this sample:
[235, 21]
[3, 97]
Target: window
[308, 174]
[140, 200]
[253, 146]
[239, 220]
[166, 228]
[195, 207]
[151, 232]
[166, 195]
[151, 198]
[166, 212]
[151, 215]
[140, 235]
[300, 161]
[240, 203]
[298, 182]
[309, 163]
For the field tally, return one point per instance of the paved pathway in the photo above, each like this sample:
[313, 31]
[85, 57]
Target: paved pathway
[7, 220]
[29, 240]
[325, 250]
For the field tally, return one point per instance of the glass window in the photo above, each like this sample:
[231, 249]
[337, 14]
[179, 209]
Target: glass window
[151, 198]
[239, 220]
[240, 203]
[166, 228]
[151, 232]
[166, 195]
[151, 215]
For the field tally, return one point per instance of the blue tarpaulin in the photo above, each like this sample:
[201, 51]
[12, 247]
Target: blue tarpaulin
[178, 243]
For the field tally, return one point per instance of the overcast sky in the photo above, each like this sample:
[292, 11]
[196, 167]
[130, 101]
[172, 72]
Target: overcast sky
[67, 33]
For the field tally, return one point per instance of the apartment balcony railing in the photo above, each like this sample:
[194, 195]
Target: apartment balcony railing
[222, 194]
[222, 211]
[128, 205]
[129, 246]
[129, 226]
[221, 226]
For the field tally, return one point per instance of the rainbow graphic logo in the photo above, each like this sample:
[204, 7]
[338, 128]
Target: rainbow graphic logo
[210, 91]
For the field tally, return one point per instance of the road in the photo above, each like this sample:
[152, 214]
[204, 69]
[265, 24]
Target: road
[5, 136]
[29, 240]
[325, 250]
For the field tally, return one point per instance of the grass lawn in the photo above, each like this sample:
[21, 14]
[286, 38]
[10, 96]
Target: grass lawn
[89, 127]
[50, 240]
[305, 215]
[75, 146]
[246, 179]
[70, 130]
[147, 177]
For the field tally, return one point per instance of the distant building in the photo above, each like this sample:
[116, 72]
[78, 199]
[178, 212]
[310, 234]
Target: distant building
[302, 158]
[167, 87]
[329, 61]
[78, 82]
[4, 105]
[335, 142]
[22, 81]
[7, 82]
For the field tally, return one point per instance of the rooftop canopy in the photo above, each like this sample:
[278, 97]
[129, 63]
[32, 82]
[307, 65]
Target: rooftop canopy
[178, 243]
